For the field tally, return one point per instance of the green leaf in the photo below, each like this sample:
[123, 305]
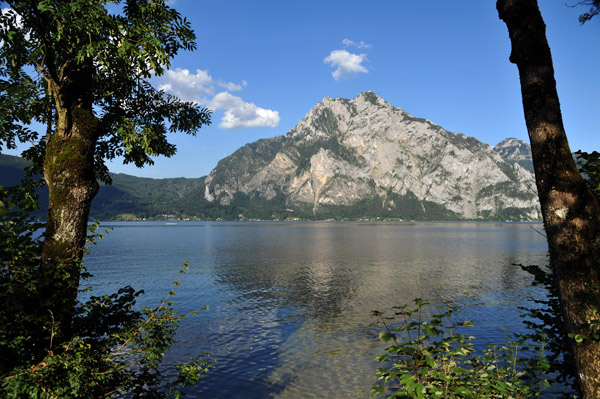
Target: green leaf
[579, 338]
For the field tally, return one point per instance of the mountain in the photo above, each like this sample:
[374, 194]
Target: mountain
[365, 158]
[359, 158]
[515, 151]
[12, 171]
[129, 197]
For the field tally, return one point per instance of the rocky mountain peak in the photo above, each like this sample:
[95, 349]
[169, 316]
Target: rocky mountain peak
[372, 98]
[366, 97]
[363, 150]
[515, 151]
[331, 116]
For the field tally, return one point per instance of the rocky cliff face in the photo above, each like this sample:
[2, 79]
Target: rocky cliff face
[515, 151]
[364, 154]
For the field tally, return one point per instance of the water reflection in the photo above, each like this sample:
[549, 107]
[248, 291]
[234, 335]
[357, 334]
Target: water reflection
[290, 302]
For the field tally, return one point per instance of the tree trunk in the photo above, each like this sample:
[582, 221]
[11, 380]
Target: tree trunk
[571, 212]
[69, 173]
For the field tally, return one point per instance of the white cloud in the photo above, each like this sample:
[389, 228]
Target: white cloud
[346, 64]
[361, 44]
[200, 88]
[188, 86]
[232, 86]
[249, 115]
[240, 114]
[225, 100]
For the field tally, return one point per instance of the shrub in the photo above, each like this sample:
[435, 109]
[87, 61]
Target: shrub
[431, 357]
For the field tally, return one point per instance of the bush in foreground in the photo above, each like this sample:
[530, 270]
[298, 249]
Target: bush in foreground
[111, 348]
[429, 356]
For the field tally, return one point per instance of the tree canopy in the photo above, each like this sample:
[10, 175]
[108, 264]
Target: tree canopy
[82, 70]
[96, 55]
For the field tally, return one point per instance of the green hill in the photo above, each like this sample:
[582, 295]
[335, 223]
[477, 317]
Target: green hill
[12, 171]
[131, 197]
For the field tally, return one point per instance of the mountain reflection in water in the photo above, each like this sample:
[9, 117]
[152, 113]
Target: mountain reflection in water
[290, 302]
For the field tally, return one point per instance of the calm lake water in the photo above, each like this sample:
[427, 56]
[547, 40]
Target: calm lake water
[290, 303]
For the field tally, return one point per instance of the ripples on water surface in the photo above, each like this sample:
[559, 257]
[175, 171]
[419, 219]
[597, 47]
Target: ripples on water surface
[290, 303]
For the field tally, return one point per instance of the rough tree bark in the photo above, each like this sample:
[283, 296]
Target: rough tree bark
[69, 173]
[571, 212]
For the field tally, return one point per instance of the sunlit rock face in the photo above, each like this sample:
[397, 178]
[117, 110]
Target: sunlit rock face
[365, 153]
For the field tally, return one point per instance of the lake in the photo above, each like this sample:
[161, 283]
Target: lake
[290, 303]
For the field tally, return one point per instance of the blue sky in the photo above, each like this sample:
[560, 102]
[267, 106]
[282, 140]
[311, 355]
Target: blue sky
[261, 65]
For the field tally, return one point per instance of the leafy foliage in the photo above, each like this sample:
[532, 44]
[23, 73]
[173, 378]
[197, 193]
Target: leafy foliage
[111, 348]
[589, 166]
[546, 318]
[429, 356]
[593, 11]
[12, 172]
[81, 68]
[55, 53]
